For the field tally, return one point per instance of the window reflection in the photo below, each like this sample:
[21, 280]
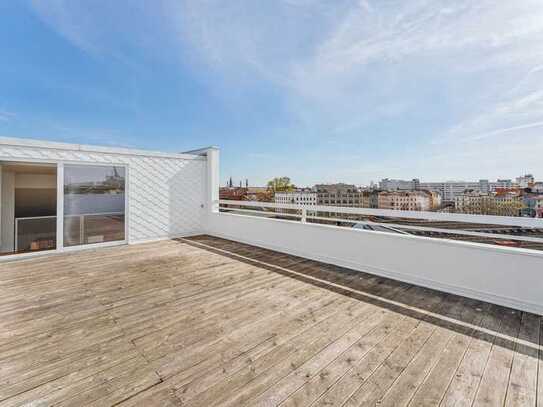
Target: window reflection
[94, 204]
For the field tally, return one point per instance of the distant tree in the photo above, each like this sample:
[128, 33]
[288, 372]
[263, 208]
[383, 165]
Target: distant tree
[281, 184]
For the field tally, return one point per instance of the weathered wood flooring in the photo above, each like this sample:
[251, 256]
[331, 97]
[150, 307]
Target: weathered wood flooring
[208, 322]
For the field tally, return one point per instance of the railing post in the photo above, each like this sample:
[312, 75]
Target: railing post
[304, 215]
[81, 229]
[213, 181]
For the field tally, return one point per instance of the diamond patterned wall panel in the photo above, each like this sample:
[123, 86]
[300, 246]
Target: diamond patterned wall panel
[165, 194]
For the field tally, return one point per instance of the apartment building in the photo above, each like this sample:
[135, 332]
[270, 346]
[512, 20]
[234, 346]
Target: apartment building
[474, 202]
[448, 190]
[387, 184]
[525, 181]
[532, 203]
[501, 203]
[406, 200]
[509, 203]
[539, 207]
[537, 187]
[304, 197]
[502, 184]
[345, 195]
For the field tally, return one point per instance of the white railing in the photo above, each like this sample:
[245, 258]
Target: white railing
[49, 232]
[82, 235]
[475, 223]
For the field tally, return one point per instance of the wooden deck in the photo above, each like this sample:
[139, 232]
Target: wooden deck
[208, 322]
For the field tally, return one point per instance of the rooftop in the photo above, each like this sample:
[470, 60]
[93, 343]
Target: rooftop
[205, 321]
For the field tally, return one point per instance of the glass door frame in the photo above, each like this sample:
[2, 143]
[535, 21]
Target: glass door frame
[60, 206]
[27, 161]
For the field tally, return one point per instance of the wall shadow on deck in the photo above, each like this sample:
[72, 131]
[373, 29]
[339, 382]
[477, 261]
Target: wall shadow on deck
[435, 307]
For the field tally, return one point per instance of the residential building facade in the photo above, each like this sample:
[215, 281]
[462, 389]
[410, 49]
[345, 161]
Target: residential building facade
[387, 184]
[537, 187]
[449, 190]
[501, 203]
[406, 200]
[300, 197]
[525, 181]
[345, 195]
[474, 202]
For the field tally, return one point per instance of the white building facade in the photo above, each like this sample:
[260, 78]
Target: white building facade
[525, 181]
[57, 196]
[406, 200]
[387, 184]
[449, 190]
[303, 198]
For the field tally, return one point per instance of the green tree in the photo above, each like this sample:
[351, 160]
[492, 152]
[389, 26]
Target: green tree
[281, 184]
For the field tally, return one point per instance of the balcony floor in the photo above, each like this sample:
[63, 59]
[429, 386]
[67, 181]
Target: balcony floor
[205, 322]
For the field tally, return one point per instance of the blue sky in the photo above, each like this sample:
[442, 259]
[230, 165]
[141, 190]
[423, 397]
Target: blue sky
[321, 91]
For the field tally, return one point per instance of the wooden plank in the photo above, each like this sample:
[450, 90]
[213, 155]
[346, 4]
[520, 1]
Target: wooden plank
[431, 391]
[283, 388]
[373, 388]
[522, 387]
[230, 324]
[463, 387]
[189, 391]
[272, 375]
[313, 387]
[35, 373]
[342, 389]
[415, 374]
[540, 370]
[238, 388]
[244, 348]
[86, 384]
[239, 341]
[493, 387]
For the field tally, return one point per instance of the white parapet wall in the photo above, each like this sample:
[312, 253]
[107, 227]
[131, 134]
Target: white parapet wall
[505, 276]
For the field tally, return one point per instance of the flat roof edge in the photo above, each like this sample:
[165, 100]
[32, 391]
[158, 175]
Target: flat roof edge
[55, 145]
[201, 151]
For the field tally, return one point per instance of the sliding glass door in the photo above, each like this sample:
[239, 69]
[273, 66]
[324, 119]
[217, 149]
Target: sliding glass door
[94, 204]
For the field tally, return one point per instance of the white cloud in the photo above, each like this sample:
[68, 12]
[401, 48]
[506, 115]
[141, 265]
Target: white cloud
[464, 76]
[6, 116]
[108, 29]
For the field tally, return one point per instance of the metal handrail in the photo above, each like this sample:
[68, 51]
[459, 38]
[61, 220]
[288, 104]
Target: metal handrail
[16, 227]
[83, 214]
[421, 215]
[305, 213]
[97, 214]
[35, 217]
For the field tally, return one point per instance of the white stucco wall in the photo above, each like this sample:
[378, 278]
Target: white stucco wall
[165, 191]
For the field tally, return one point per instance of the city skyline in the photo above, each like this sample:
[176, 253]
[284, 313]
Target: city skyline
[230, 181]
[346, 90]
